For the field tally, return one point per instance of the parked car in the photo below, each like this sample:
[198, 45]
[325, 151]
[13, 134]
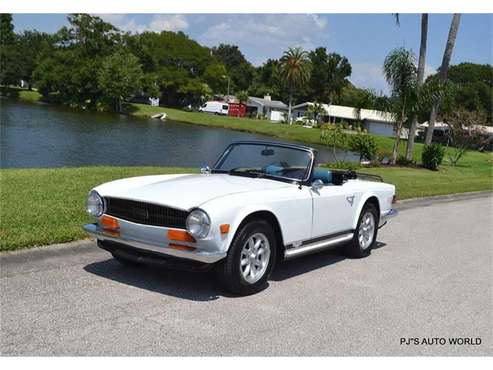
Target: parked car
[261, 202]
[215, 107]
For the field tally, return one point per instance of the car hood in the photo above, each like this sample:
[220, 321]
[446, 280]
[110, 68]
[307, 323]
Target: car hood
[184, 191]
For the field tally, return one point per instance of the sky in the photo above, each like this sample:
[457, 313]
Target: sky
[365, 39]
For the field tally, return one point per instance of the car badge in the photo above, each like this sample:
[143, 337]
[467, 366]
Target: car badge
[350, 199]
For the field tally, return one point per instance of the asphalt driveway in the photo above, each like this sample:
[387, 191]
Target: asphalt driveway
[429, 280]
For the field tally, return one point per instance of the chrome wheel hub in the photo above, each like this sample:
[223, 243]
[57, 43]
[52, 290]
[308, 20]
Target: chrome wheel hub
[254, 258]
[366, 230]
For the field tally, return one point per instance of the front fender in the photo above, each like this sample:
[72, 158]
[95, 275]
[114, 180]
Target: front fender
[234, 219]
[361, 203]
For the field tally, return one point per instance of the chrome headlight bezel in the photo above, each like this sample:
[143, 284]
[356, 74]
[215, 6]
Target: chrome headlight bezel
[198, 223]
[94, 204]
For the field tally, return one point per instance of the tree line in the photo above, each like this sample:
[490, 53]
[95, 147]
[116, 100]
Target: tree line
[92, 64]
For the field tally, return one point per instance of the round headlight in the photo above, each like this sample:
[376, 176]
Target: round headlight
[198, 223]
[94, 204]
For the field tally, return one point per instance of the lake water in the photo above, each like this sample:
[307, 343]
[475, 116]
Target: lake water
[37, 135]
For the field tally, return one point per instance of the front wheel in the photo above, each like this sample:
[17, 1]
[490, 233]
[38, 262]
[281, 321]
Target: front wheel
[250, 259]
[365, 235]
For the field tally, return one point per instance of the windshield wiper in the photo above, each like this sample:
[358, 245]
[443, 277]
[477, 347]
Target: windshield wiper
[246, 172]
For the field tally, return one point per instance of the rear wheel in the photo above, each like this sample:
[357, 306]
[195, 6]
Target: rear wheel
[365, 235]
[250, 259]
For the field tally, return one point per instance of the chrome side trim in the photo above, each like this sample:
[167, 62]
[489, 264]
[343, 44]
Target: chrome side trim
[316, 246]
[200, 256]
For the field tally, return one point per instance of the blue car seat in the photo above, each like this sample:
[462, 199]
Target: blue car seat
[322, 174]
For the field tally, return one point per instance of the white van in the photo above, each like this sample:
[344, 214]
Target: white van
[216, 107]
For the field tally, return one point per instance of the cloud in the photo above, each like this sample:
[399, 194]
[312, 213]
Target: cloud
[158, 23]
[168, 22]
[367, 75]
[262, 36]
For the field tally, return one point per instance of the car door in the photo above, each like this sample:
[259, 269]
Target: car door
[333, 209]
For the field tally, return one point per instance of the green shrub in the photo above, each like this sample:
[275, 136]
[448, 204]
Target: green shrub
[403, 161]
[335, 138]
[432, 156]
[364, 144]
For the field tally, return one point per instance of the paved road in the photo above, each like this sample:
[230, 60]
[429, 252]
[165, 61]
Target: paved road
[423, 281]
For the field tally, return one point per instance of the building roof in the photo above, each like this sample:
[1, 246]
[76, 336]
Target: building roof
[486, 129]
[437, 125]
[310, 104]
[276, 104]
[344, 112]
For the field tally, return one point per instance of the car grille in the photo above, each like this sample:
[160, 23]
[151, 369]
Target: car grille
[146, 213]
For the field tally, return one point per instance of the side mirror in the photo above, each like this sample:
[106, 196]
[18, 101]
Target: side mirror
[205, 170]
[317, 185]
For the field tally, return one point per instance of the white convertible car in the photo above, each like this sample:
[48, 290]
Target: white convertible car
[260, 203]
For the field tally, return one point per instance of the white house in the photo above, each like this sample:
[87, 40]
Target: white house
[272, 109]
[376, 122]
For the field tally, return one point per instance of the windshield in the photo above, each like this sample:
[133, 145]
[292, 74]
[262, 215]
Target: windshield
[262, 159]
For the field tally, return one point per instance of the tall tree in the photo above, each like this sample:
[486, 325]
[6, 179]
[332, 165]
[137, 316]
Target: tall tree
[339, 70]
[120, 77]
[329, 75]
[33, 45]
[7, 35]
[420, 77]
[476, 87]
[267, 80]
[68, 72]
[10, 57]
[177, 63]
[447, 55]
[295, 71]
[238, 67]
[401, 74]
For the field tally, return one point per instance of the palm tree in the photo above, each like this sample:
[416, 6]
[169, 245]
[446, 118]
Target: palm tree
[401, 74]
[421, 73]
[295, 71]
[452, 35]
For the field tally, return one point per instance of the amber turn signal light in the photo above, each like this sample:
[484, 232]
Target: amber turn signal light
[109, 223]
[180, 235]
[224, 228]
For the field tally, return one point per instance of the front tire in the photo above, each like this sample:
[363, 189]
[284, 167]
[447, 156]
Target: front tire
[365, 235]
[250, 260]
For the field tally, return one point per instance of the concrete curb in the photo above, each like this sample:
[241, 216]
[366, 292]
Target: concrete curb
[428, 201]
[43, 251]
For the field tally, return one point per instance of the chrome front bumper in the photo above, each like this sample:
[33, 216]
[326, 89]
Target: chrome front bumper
[199, 256]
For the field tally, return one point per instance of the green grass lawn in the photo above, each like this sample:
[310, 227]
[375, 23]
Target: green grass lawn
[45, 206]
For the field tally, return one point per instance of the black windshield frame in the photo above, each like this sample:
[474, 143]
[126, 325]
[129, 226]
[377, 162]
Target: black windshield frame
[308, 172]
